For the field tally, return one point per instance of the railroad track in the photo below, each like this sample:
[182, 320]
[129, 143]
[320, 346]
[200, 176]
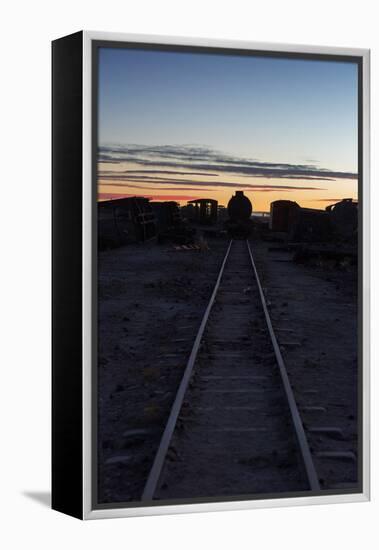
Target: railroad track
[234, 426]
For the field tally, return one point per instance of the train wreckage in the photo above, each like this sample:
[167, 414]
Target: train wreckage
[138, 219]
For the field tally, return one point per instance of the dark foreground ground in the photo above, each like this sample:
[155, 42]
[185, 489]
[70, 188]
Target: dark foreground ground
[314, 310]
[151, 300]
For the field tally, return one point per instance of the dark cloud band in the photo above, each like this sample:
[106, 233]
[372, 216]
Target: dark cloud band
[201, 185]
[204, 160]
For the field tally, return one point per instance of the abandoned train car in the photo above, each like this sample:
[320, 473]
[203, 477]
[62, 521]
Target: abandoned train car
[344, 218]
[282, 215]
[202, 211]
[126, 220]
[167, 214]
[171, 227]
[299, 224]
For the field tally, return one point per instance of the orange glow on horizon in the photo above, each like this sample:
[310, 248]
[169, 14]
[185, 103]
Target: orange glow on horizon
[127, 179]
[260, 199]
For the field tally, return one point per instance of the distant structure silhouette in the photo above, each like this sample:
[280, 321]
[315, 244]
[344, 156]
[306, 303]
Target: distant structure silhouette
[239, 224]
[205, 211]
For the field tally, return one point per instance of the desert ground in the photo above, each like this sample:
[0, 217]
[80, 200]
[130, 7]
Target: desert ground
[150, 303]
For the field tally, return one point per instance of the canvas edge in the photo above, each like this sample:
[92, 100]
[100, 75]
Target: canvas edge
[366, 272]
[88, 512]
[66, 275]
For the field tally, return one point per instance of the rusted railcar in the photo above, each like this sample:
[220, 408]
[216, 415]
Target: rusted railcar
[167, 214]
[202, 211]
[344, 218]
[283, 215]
[299, 224]
[311, 225]
[126, 220]
[171, 227]
[338, 221]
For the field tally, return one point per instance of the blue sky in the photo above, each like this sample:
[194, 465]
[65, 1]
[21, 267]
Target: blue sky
[301, 112]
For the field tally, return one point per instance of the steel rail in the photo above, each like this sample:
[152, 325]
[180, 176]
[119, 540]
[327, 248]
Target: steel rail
[155, 472]
[295, 416]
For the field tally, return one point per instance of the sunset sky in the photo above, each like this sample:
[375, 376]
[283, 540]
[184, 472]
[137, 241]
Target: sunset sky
[178, 126]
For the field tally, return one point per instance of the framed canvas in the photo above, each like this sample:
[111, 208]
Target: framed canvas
[210, 275]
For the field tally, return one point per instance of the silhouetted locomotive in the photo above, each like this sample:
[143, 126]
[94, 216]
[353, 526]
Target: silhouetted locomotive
[239, 224]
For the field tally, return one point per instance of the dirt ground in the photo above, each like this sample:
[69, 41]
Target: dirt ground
[314, 311]
[151, 300]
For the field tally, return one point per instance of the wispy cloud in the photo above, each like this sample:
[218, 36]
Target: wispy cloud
[126, 175]
[109, 196]
[168, 172]
[330, 200]
[125, 181]
[158, 159]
